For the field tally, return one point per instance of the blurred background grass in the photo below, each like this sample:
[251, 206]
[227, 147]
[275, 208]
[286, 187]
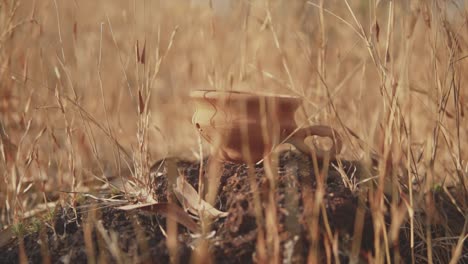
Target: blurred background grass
[68, 66]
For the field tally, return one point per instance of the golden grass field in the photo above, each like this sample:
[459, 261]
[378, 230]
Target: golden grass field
[92, 89]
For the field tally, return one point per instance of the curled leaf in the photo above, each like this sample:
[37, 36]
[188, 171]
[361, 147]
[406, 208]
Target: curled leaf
[189, 197]
[141, 103]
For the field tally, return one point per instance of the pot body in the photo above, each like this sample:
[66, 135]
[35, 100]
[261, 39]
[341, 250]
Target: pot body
[243, 126]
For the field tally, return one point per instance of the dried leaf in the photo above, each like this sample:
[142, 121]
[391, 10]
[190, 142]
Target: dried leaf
[75, 31]
[171, 211]
[141, 57]
[6, 236]
[189, 197]
[461, 104]
[141, 105]
[143, 54]
[137, 51]
[377, 30]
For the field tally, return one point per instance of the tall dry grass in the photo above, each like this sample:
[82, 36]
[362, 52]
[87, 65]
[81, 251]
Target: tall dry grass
[97, 88]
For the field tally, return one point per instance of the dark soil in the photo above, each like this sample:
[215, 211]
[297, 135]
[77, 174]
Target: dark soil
[138, 235]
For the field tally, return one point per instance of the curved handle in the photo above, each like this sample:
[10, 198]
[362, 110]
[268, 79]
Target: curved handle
[298, 138]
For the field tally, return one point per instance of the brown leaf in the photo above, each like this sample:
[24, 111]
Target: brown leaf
[377, 30]
[8, 150]
[171, 211]
[141, 103]
[141, 57]
[462, 110]
[137, 50]
[75, 30]
[143, 54]
[6, 236]
[188, 196]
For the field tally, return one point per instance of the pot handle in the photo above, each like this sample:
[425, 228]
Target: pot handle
[298, 138]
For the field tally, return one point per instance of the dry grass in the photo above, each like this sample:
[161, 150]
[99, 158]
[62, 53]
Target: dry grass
[90, 89]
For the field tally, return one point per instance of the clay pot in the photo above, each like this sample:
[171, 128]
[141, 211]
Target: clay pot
[243, 127]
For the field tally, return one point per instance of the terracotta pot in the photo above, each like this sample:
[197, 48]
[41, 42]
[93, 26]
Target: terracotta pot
[243, 126]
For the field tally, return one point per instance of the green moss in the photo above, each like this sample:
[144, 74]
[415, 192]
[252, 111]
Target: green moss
[115, 191]
[49, 216]
[438, 188]
[19, 229]
[80, 198]
[35, 226]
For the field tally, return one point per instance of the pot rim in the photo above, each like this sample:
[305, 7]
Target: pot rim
[234, 94]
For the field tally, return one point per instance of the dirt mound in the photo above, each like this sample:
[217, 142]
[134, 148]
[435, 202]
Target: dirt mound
[138, 236]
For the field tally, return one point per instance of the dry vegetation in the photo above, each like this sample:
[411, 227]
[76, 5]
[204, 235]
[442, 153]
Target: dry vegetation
[97, 89]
